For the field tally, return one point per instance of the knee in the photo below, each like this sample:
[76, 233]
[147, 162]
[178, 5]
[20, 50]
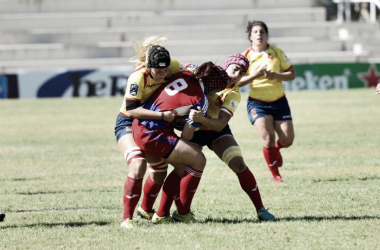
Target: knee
[137, 168]
[200, 162]
[237, 167]
[287, 142]
[158, 178]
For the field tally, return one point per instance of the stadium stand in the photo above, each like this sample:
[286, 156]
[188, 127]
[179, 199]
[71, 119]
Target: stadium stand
[36, 34]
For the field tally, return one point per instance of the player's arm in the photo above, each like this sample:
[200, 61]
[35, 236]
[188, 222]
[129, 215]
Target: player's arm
[211, 123]
[258, 71]
[288, 75]
[187, 132]
[135, 111]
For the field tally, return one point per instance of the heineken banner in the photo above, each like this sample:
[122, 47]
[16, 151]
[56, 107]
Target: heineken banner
[334, 76]
[111, 81]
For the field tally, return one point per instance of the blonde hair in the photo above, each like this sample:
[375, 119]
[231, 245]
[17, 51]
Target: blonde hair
[142, 48]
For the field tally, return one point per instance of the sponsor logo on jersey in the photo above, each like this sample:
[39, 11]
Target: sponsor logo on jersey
[233, 104]
[133, 89]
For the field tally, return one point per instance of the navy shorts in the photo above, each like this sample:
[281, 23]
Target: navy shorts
[207, 137]
[123, 126]
[279, 109]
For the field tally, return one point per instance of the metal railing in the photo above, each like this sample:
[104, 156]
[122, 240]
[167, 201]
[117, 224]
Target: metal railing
[344, 9]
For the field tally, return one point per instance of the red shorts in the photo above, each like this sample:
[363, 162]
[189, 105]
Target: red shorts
[159, 142]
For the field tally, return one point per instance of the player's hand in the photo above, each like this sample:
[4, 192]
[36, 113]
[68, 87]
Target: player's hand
[169, 115]
[378, 89]
[196, 115]
[260, 70]
[270, 74]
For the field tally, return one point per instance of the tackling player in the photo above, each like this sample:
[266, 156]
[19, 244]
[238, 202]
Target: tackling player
[158, 139]
[216, 133]
[154, 66]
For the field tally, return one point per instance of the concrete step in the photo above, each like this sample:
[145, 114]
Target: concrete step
[12, 66]
[53, 51]
[29, 6]
[9, 67]
[227, 46]
[92, 35]
[24, 21]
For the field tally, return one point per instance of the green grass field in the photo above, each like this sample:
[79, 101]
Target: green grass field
[62, 178]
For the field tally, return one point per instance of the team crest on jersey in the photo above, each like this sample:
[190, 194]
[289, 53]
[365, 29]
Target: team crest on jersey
[191, 67]
[233, 104]
[253, 113]
[133, 89]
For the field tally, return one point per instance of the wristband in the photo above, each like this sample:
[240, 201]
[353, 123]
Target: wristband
[162, 115]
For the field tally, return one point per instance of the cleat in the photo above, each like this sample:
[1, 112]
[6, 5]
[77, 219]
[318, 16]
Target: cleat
[187, 218]
[277, 179]
[264, 215]
[161, 220]
[128, 224]
[143, 214]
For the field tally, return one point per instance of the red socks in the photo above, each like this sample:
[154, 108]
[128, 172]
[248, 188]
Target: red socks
[249, 185]
[170, 190]
[271, 157]
[131, 196]
[189, 185]
[151, 191]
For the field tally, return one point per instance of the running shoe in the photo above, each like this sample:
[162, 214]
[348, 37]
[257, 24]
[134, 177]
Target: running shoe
[143, 214]
[277, 179]
[128, 224]
[161, 220]
[264, 215]
[186, 218]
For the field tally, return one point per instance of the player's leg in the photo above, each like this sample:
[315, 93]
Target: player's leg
[188, 155]
[152, 186]
[265, 128]
[227, 149]
[135, 159]
[260, 115]
[283, 125]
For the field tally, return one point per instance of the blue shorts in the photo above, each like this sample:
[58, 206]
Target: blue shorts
[207, 137]
[123, 126]
[279, 109]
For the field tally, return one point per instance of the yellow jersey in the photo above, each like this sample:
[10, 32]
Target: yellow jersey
[226, 100]
[141, 85]
[261, 88]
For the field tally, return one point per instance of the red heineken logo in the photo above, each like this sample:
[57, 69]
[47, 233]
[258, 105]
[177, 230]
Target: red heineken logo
[370, 78]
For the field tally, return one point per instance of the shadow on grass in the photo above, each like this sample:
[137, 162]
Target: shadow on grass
[366, 178]
[58, 209]
[304, 218]
[326, 218]
[63, 224]
[70, 191]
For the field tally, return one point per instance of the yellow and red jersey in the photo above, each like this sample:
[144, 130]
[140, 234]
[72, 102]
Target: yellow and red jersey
[226, 100]
[141, 85]
[261, 88]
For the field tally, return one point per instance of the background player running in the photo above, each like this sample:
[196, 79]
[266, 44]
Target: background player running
[268, 109]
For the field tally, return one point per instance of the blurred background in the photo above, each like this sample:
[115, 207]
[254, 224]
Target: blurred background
[66, 48]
